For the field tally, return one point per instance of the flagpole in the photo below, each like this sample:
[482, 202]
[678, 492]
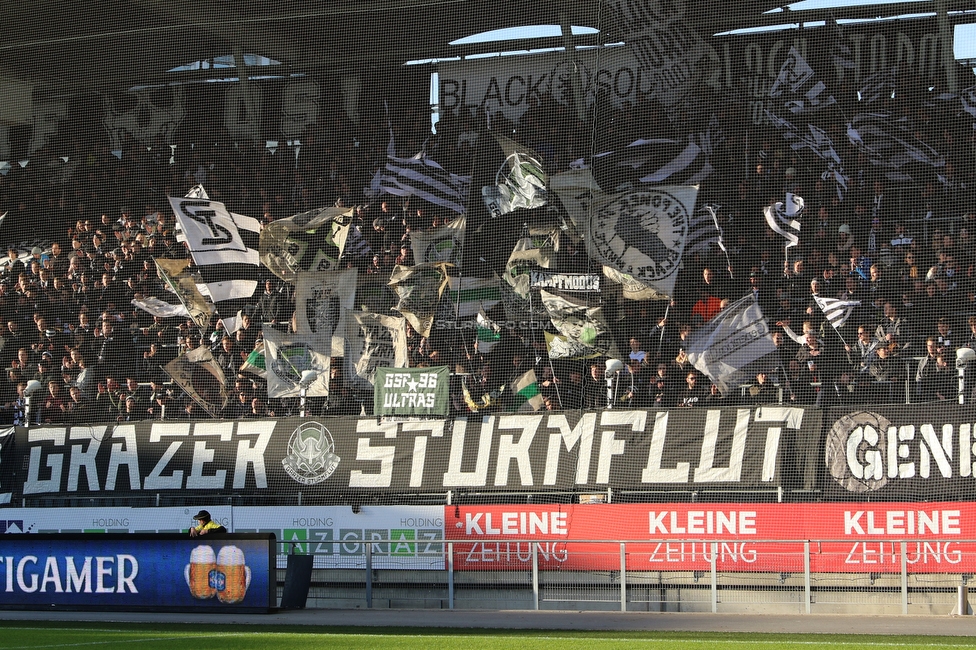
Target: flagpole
[554, 382]
[664, 320]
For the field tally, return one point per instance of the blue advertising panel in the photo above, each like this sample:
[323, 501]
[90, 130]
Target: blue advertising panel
[218, 573]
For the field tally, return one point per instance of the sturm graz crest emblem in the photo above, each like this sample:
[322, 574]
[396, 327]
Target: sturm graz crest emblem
[311, 454]
[854, 451]
[642, 233]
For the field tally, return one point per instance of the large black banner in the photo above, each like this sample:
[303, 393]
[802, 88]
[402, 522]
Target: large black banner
[682, 449]
[900, 453]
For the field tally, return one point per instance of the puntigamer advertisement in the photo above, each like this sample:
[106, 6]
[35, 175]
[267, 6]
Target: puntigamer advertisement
[224, 573]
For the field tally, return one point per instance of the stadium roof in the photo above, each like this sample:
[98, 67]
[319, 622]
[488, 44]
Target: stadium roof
[63, 48]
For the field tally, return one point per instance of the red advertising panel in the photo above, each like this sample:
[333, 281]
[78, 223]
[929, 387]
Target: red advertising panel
[845, 537]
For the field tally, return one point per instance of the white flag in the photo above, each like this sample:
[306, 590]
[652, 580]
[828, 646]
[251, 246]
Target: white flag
[731, 344]
[292, 365]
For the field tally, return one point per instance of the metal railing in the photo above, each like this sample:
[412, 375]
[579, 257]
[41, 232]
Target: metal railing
[782, 576]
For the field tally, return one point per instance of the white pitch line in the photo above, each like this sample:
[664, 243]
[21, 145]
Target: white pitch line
[97, 643]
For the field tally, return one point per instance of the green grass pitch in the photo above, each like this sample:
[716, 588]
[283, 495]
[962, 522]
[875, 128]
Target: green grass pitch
[24, 635]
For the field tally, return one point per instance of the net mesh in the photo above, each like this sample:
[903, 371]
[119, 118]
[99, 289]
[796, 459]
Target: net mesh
[661, 260]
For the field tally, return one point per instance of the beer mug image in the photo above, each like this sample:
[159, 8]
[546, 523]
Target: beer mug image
[197, 573]
[231, 577]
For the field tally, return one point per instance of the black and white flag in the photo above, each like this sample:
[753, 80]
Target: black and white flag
[642, 233]
[422, 177]
[878, 86]
[676, 60]
[733, 344]
[654, 161]
[798, 88]
[780, 217]
[704, 231]
[224, 247]
[836, 311]
[889, 143]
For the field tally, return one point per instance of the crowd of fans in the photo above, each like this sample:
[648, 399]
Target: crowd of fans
[903, 250]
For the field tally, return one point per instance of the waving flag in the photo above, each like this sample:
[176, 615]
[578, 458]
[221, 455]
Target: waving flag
[836, 311]
[422, 177]
[704, 231]
[373, 341]
[224, 247]
[732, 344]
[201, 378]
[525, 393]
[293, 365]
[779, 216]
[441, 244]
[520, 181]
[642, 233]
[304, 242]
[184, 286]
[419, 289]
[798, 87]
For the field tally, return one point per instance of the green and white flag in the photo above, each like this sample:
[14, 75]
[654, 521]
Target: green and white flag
[292, 364]
[488, 334]
[520, 182]
[412, 391]
[525, 393]
[373, 341]
[472, 295]
[441, 244]
[419, 289]
[255, 362]
[580, 323]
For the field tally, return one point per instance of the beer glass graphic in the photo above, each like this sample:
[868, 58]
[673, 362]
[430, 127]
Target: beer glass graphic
[203, 562]
[231, 577]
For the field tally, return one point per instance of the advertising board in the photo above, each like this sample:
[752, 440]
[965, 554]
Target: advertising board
[848, 537]
[77, 571]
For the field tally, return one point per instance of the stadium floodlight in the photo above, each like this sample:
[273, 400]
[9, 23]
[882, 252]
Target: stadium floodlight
[614, 366]
[308, 376]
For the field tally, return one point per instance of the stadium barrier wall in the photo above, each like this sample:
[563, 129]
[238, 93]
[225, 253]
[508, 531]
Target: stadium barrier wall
[827, 557]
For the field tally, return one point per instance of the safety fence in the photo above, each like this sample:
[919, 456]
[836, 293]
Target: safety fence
[774, 576]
